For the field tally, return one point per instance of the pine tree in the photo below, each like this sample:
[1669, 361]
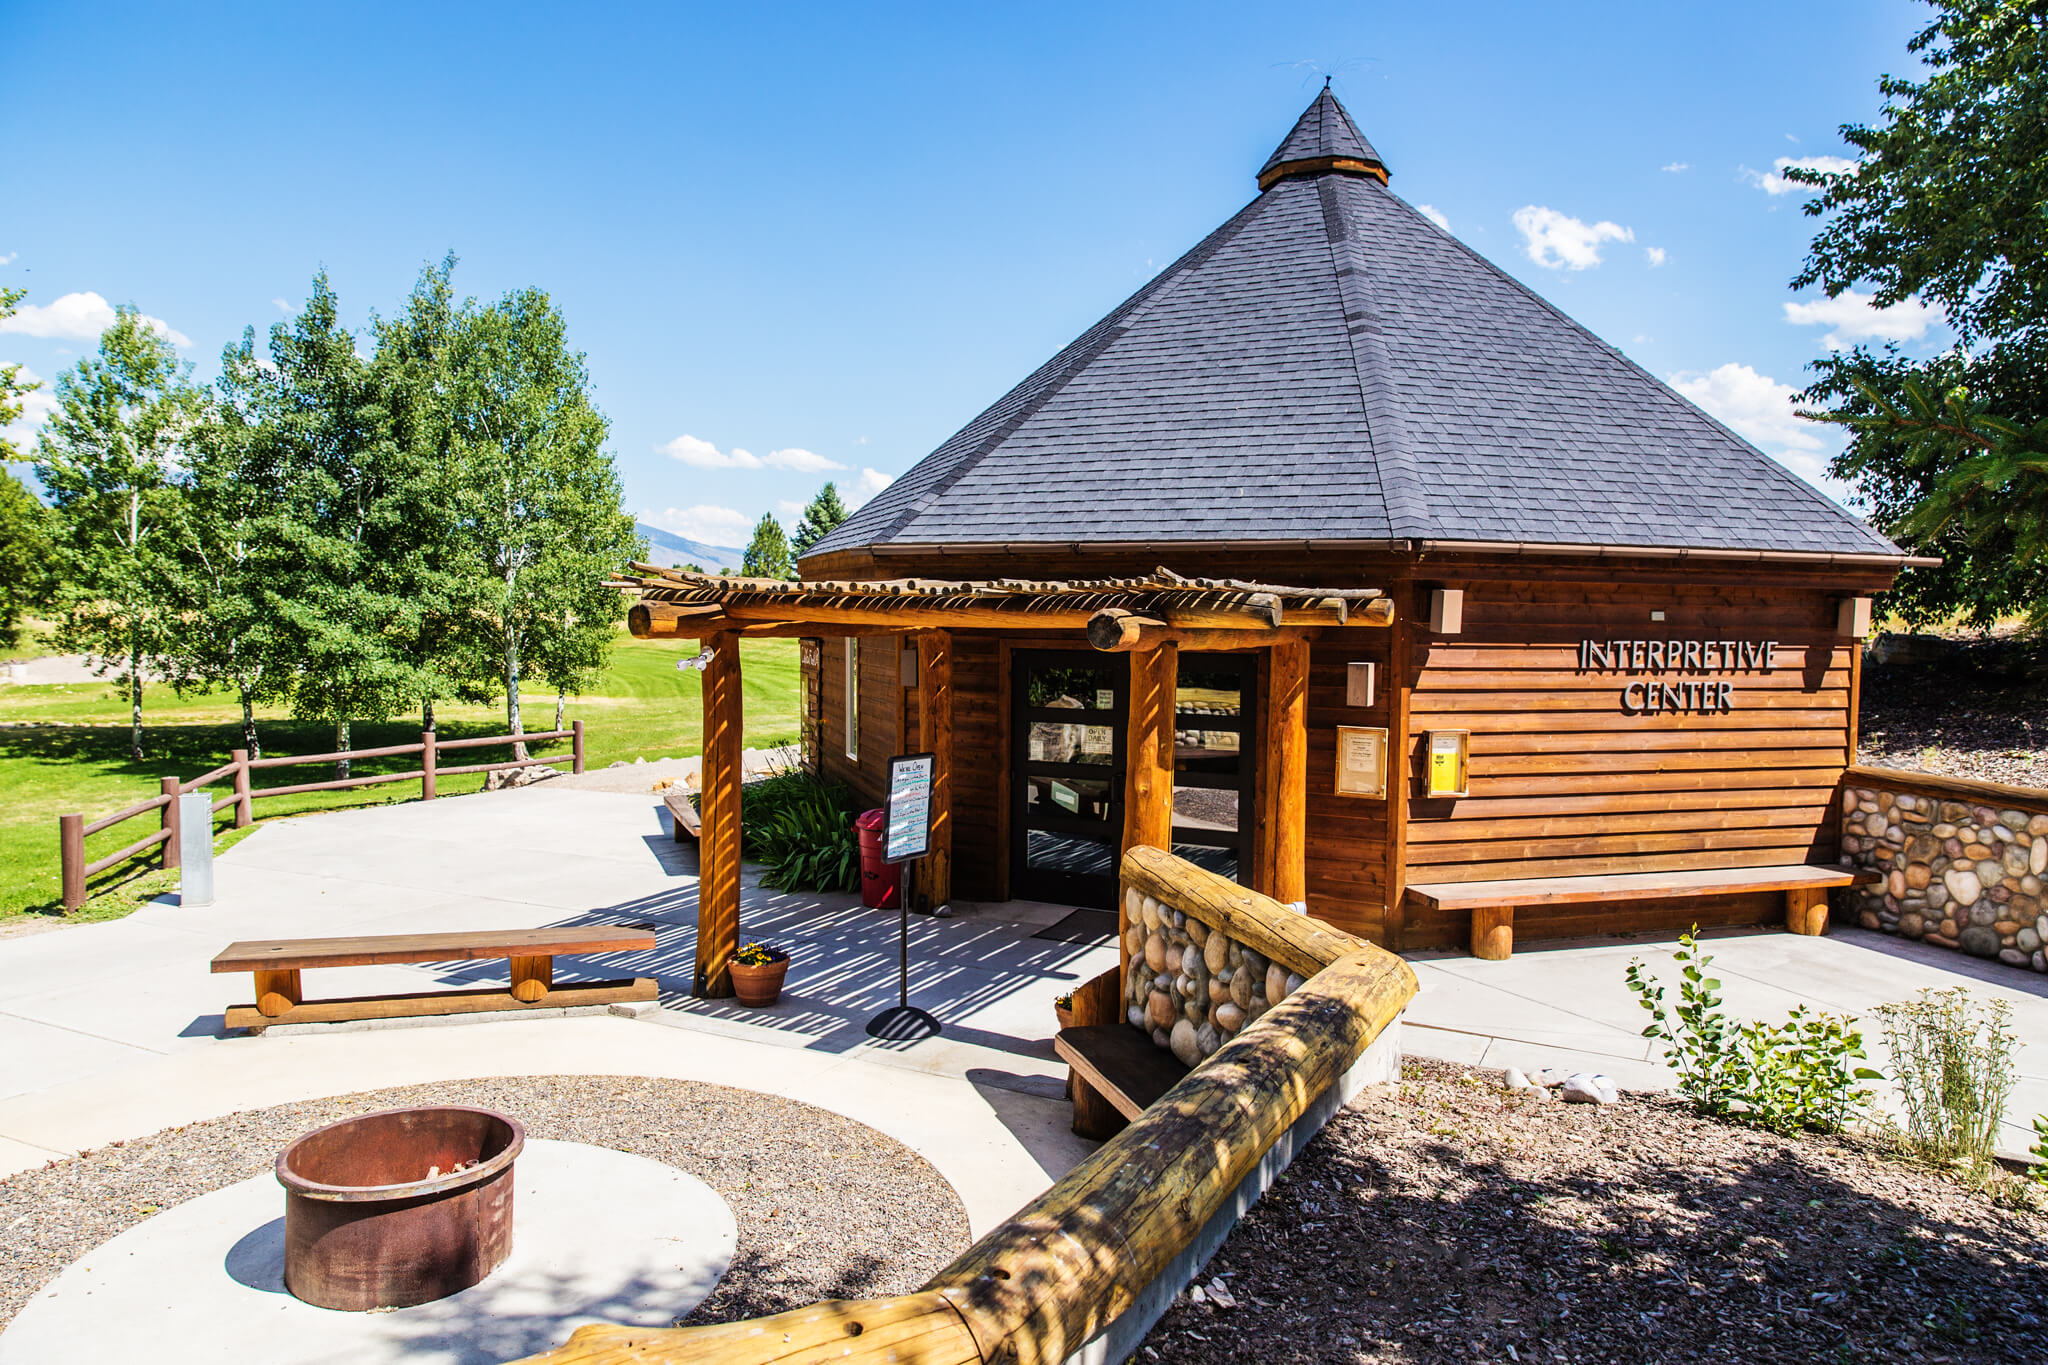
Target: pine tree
[825, 512]
[107, 457]
[768, 552]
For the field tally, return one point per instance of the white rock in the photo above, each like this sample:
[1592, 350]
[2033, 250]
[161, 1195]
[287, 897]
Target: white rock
[1590, 1087]
[1551, 1075]
[1515, 1080]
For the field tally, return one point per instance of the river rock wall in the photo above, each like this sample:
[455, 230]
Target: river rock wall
[1960, 873]
[1190, 987]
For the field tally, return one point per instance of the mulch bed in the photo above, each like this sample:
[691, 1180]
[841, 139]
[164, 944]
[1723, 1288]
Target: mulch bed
[1978, 707]
[826, 1207]
[1444, 1219]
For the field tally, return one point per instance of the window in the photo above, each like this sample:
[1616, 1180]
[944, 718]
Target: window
[853, 697]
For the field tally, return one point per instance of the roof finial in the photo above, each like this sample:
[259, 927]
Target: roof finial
[1324, 139]
[1326, 82]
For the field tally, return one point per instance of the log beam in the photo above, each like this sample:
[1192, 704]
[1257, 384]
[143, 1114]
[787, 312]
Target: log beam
[1493, 932]
[1287, 757]
[1116, 631]
[1806, 910]
[718, 848]
[1148, 759]
[935, 735]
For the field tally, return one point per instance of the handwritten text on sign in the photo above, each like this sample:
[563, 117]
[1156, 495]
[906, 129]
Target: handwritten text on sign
[1646, 697]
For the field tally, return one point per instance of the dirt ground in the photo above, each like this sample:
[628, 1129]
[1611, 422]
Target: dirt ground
[1443, 1219]
[1965, 707]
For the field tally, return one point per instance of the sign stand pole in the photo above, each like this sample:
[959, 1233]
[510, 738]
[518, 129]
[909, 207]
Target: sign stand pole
[907, 829]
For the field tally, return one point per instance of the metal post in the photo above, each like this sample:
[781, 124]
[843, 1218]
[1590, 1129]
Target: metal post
[576, 743]
[169, 787]
[195, 835]
[71, 837]
[244, 815]
[426, 765]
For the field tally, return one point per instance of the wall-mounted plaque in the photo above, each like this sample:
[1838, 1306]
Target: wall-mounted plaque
[1361, 760]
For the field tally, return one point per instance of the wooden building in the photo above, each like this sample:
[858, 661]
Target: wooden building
[1339, 562]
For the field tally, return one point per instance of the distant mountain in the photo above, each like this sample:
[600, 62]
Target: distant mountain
[672, 551]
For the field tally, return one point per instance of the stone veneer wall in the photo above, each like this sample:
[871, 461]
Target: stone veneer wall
[1963, 865]
[1189, 986]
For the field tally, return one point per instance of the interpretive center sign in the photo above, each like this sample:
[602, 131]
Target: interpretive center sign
[1656, 696]
[908, 832]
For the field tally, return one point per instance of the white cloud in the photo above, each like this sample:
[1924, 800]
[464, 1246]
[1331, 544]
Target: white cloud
[1853, 319]
[701, 454]
[1655, 254]
[1434, 216]
[81, 317]
[1773, 181]
[788, 508]
[712, 525]
[1754, 404]
[870, 482]
[8, 259]
[1674, 167]
[282, 306]
[1561, 242]
[35, 407]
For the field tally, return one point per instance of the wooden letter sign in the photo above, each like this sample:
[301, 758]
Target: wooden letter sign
[1361, 761]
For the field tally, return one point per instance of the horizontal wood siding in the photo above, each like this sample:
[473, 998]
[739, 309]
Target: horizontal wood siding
[1347, 835]
[1564, 782]
[881, 716]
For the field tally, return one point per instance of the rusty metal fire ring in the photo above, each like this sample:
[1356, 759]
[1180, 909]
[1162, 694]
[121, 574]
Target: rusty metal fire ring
[399, 1207]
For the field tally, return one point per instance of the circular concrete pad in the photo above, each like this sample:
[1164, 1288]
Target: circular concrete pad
[598, 1236]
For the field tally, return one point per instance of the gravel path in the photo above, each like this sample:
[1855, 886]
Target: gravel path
[1444, 1220]
[827, 1208]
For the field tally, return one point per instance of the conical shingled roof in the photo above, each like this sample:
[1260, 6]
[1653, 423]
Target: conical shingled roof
[1324, 131]
[1330, 366]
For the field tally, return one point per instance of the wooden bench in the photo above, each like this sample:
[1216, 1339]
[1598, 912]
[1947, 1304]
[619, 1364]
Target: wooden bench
[682, 811]
[278, 962]
[1117, 1066]
[1492, 904]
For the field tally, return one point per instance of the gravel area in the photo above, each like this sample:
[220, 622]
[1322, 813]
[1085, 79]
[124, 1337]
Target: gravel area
[1963, 707]
[1446, 1220]
[826, 1207]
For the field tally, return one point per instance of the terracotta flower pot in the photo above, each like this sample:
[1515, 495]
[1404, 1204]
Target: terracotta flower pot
[760, 985]
[1065, 1015]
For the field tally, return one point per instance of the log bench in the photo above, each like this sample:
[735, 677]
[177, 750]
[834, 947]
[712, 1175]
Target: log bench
[683, 812]
[277, 964]
[1117, 1073]
[1492, 904]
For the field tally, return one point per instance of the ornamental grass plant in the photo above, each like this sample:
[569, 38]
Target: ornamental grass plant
[1952, 1059]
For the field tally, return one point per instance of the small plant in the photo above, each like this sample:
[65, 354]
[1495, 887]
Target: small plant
[2039, 1173]
[759, 955]
[800, 827]
[1063, 1002]
[1952, 1057]
[1786, 1077]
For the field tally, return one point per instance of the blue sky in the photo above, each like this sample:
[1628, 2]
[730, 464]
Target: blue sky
[809, 242]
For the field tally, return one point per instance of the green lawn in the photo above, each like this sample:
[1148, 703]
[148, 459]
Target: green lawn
[65, 749]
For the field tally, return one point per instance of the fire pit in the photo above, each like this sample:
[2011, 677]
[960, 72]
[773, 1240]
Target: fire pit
[399, 1207]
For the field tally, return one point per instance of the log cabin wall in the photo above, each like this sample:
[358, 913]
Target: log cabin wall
[1347, 835]
[881, 716]
[1564, 782]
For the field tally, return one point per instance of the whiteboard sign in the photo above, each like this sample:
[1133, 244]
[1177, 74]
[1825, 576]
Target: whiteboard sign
[908, 832]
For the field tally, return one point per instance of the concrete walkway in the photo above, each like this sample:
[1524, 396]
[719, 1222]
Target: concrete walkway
[114, 1030]
[1568, 1004]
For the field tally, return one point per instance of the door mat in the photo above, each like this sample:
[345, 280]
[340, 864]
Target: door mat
[1082, 926]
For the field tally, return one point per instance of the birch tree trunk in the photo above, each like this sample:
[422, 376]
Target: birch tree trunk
[249, 740]
[512, 721]
[561, 695]
[135, 699]
[341, 747]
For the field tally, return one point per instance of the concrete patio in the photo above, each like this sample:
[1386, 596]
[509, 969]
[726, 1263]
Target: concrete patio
[114, 1030]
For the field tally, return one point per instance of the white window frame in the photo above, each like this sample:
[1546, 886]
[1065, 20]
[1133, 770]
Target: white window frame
[853, 697]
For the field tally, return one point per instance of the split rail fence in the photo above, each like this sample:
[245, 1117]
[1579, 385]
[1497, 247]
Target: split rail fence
[73, 830]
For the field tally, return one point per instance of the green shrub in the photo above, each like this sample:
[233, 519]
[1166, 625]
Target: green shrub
[1796, 1075]
[1952, 1057]
[2039, 1173]
[800, 828]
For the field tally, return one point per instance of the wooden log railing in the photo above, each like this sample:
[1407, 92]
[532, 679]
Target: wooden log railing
[1066, 1266]
[73, 830]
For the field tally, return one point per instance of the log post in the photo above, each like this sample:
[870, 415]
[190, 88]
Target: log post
[935, 735]
[1806, 910]
[1287, 753]
[718, 846]
[532, 977]
[277, 992]
[427, 764]
[576, 745]
[244, 814]
[168, 786]
[71, 839]
[1493, 932]
[1148, 763]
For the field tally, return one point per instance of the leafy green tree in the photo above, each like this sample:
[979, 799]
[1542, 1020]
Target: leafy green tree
[539, 499]
[767, 553]
[322, 418]
[107, 456]
[824, 512]
[1949, 202]
[25, 550]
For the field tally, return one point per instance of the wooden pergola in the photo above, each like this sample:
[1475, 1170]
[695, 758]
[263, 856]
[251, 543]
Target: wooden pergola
[1151, 619]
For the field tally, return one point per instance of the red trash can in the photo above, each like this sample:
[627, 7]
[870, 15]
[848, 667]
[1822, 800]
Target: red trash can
[880, 882]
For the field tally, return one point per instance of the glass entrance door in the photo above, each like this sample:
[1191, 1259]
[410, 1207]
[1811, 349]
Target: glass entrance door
[1067, 725]
[1215, 746]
